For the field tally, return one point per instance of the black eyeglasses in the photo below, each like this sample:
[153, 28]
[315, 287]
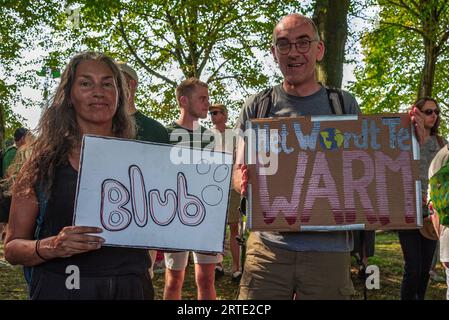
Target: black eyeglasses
[429, 112]
[302, 46]
[214, 113]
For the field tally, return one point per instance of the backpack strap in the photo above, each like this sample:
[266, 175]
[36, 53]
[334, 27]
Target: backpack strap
[42, 200]
[264, 103]
[336, 100]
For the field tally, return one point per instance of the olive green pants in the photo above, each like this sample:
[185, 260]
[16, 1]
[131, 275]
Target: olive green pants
[274, 273]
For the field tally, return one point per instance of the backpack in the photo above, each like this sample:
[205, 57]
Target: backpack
[42, 199]
[439, 194]
[264, 102]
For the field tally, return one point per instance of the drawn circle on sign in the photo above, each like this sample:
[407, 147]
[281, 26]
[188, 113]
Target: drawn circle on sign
[116, 218]
[203, 166]
[221, 172]
[114, 195]
[212, 195]
[192, 210]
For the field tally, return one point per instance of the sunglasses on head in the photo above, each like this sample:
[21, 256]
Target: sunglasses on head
[428, 112]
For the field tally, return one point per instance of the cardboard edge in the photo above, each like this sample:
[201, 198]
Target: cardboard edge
[322, 118]
[249, 207]
[348, 227]
[419, 214]
[78, 180]
[177, 249]
[223, 243]
[415, 144]
[248, 154]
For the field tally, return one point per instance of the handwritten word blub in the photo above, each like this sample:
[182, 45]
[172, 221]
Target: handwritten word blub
[142, 195]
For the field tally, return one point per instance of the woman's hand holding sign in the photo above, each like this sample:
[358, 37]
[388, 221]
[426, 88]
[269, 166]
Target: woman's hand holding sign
[417, 119]
[70, 241]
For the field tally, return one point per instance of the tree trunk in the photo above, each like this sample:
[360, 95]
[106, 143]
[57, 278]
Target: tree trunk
[330, 16]
[428, 71]
[2, 127]
[430, 31]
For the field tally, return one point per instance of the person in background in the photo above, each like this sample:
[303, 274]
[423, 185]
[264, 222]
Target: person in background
[147, 129]
[192, 96]
[433, 273]
[441, 159]
[418, 246]
[10, 152]
[22, 154]
[9, 157]
[219, 116]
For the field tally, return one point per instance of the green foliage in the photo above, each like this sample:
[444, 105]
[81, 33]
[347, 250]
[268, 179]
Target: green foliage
[168, 41]
[388, 257]
[395, 54]
[10, 120]
[20, 28]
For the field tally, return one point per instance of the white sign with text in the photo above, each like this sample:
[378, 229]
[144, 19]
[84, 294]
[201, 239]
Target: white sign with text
[153, 195]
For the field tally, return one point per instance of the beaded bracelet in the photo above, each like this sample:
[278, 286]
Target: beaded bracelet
[37, 251]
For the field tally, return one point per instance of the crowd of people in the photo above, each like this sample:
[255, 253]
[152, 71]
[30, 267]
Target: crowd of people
[96, 95]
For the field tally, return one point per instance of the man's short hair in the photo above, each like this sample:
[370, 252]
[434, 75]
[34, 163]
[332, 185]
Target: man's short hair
[220, 106]
[306, 19]
[186, 87]
[19, 133]
[127, 69]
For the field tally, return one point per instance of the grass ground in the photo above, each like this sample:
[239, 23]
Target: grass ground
[388, 258]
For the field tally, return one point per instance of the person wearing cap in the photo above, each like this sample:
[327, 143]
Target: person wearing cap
[148, 129]
[10, 153]
[219, 116]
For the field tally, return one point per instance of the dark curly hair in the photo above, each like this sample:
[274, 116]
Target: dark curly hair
[58, 132]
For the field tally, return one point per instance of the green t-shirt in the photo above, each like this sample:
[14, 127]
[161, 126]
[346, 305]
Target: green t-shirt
[149, 129]
[8, 158]
[188, 138]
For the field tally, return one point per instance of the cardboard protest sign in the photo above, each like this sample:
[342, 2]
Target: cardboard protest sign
[333, 173]
[153, 195]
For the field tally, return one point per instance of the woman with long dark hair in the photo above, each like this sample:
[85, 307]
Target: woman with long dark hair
[90, 99]
[418, 246]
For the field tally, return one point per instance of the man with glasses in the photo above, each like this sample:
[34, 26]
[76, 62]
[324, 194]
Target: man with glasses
[301, 265]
